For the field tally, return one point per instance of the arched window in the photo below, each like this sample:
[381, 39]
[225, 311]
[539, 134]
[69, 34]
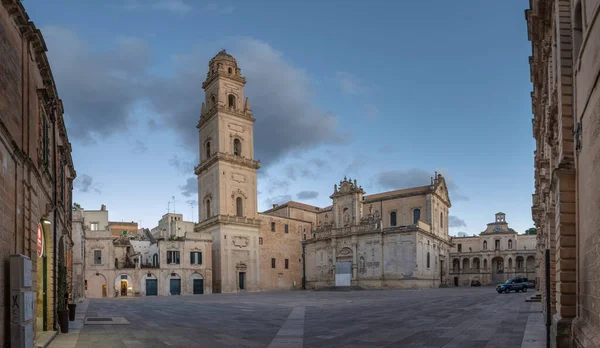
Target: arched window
[229, 70]
[510, 243]
[237, 147]
[416, 216]
[231, 101]
[207, 149]
[485, 245]
[442, 220]
[393, 218]
[208, 209]
[428, 261]
[213, 101]
[326, 218]
[239, 205]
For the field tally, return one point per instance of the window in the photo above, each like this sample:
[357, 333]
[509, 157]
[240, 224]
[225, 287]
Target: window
[305, 236]
[272, 227]
[428, 260]
[213, 101]
[287, 264]
[416, 216]
[393, 218]
[207, 149]
[442, 220]
[272, 262]
[208, 209]
[285, 228]
[326, 219]
[173, 257]
[195, 258]
[94, 226]
[229, 70]
[459, 248]
[97, 257]
[237, 147]
[260, 240]
[239, 205]
[497, 245]
[485, 245]
[510, 243]
[45, 138]
[231, 100]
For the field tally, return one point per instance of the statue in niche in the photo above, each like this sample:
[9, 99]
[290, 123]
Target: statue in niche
[346, 218]
[377, 214]
[361, 265]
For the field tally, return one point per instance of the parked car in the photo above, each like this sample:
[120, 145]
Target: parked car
[530, 284]
[515, 284]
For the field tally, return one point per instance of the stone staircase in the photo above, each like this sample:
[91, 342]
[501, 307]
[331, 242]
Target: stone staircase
[535, 298]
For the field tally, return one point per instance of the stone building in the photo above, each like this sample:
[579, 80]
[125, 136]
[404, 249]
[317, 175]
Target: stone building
[78, 255]
[127, 229]
[405, 245]
[36, 168]
[122, 266]
[172, 225]
[495, 255]
[565, 39]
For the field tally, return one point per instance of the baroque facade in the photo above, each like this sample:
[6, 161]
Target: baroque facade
[495, 255]
[401, 242]
[565, 38]
[36, 171]
[142, 265]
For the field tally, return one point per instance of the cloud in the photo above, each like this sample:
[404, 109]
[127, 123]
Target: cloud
[348, 83]
[140, 147]
[183, 165]
[307, 195]
[461, 234]
[400, 179]
[190, 188]
[278, 184]
[85, 184]
[174, 6]
[287, 118]
[356, 164]
[455, 222]
[278, 200]
[98, 89]
[293, 171]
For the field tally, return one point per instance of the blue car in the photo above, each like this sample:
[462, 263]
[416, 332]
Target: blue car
[515, 284]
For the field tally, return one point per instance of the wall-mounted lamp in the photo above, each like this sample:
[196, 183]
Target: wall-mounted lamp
[97, 273]
[47, 222]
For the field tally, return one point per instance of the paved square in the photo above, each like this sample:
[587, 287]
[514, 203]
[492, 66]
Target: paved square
[451, 317]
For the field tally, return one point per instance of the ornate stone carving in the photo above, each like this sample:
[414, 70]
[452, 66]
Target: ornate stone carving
[236, 127]
[240, 242]
[241, 178]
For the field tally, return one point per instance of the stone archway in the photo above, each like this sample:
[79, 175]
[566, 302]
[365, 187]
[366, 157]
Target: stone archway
[343, 267]
[498, 269]
[45, 270]
[196, 284]
[96, 286]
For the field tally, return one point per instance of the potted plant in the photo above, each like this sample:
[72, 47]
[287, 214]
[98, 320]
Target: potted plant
[72, 308]
[63, 311]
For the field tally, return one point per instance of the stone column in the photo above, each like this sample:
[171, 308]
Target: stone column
[354, 259]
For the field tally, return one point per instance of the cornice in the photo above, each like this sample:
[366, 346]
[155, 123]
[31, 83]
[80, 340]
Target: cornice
[214, 111]
[396, 196]
[227, 220]
[229, 158]
[217, 74]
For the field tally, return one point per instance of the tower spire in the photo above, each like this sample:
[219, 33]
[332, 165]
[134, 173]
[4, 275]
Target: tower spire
[247, 105]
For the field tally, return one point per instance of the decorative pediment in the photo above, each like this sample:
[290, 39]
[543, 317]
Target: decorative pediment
[238, 192]
[208, 195]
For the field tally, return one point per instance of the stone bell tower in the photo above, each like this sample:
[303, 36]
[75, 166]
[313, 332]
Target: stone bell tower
[227, 197]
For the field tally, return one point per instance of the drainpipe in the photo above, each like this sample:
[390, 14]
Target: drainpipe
[303, 267]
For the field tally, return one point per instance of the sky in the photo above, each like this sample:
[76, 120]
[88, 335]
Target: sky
[384, 92]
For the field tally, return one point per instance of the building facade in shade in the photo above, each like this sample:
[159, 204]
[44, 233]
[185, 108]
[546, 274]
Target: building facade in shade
[36, 169]
[565, 39]
[495, 255]
[78, 254]
[141, 265]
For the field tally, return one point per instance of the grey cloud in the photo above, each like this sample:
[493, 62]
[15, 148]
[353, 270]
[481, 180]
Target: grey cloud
[277, 184]
[461, 234]
[278, 200]
[85, 184]
[454, 222]
[307, 195]
[299, 171]
[98, 89]
[190, 188]
[348, 83]
[183, 165]
[356, 164]
[139, 147]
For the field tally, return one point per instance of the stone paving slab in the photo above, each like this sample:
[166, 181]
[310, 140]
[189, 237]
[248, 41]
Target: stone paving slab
[447, 317]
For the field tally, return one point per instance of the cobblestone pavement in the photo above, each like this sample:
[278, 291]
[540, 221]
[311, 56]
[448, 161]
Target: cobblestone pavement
[450, 317]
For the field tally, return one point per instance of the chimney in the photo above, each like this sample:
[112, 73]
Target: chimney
[103, 207]
[275, 205]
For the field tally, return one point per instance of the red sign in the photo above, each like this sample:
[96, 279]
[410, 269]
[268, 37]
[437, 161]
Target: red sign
[40, 241]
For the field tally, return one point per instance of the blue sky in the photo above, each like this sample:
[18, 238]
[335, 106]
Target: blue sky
[386, 92]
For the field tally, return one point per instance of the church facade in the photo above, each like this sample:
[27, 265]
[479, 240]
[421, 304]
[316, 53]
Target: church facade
[393, 239]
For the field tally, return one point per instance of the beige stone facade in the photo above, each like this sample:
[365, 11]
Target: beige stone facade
[122, 267]
[119, 228]
[565, 38]
[494, 256]
[36, 168]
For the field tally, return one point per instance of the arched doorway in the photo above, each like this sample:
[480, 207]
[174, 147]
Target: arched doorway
[343, 267]
[96, 286]
[150, 284]
[455, 281]
[498, 269]
[123, 285]
[174, 284]
[45, 269]
[197, 284]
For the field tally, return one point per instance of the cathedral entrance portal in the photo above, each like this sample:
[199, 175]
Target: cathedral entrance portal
[343, 268]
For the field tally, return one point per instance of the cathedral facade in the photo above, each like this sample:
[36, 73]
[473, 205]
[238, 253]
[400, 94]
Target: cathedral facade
[393, 239]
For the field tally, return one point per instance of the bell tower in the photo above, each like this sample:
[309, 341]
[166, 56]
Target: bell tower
[227, 193]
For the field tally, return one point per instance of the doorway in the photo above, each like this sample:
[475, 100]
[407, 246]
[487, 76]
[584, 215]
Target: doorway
[242, 280]
[343, 273]
[455, 281]
[123, 287]
[151, 287]
[198, 286]
[175, 286]
[104, 291]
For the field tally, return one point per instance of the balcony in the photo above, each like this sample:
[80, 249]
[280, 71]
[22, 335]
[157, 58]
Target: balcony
[149, 266]
[125, 265]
